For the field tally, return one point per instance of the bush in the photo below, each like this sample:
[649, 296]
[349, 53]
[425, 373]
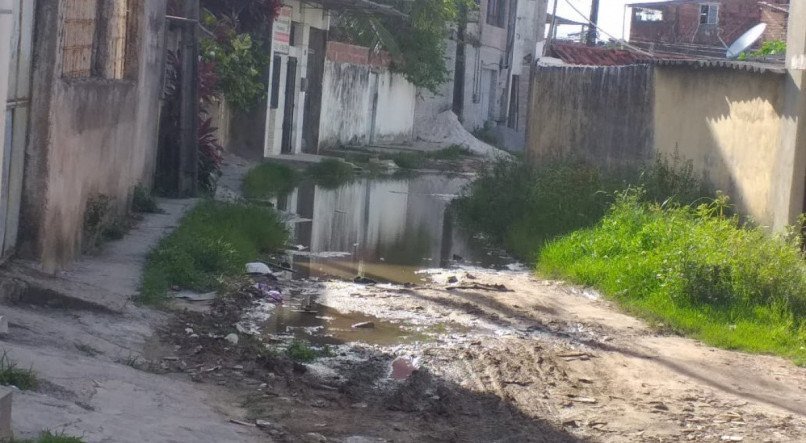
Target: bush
[695, 269]
[11, 374]
[269, 180]
[331, 173]
[143, 201]
[214, 241]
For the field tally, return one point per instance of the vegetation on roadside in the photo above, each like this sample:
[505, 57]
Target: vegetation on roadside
[214, 242]
[695, 269]
[417, 160]
[302, 351]
[50, 437]
[331, 173]
[269, 180]
[12, 375]
[657, 241]
[143, 201]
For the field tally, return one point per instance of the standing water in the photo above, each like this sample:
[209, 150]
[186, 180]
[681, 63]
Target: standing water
[381, 229]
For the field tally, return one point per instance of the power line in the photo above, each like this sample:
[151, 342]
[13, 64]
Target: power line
[585, 17]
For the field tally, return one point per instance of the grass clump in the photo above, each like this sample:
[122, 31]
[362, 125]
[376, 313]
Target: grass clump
[50, 437]
[269, 180]
[12, 375]
[695, 269]
[416, 160]
[331, 173]
[302, 351]
[214, 241]
[143, 202]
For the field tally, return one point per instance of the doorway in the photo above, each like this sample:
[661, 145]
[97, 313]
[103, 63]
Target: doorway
[288, 107]
[16, 109]
[313, 94]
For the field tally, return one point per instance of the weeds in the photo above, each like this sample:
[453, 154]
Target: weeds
[695, 269]
[50, 437]
[302, 351]
[331, 173]
[269, 180]
[12, 375]
[214, 242]
[416, 160]
[143, 202]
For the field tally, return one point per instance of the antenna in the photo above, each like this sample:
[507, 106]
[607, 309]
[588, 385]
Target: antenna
[746, 40]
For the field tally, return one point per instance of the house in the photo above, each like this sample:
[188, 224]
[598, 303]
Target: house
[704, 28]
[490, 58]
[83, 84]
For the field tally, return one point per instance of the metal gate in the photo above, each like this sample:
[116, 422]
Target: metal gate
[18, 16]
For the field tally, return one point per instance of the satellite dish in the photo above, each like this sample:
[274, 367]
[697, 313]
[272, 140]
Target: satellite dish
[746, 40]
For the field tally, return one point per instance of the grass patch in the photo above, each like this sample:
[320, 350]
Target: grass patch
[12, 375]
[50, 437]
[302, 351]
[214, 241]
[331, 173]
[695, 269]
[269, 180]
[417, 160]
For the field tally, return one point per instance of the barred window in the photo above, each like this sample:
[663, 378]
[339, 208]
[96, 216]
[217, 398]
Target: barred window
[96, 38]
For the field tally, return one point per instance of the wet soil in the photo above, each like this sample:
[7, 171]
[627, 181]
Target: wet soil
[540, 361]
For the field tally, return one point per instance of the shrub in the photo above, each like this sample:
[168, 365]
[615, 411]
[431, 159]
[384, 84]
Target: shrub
[331, 173]
[11, 374]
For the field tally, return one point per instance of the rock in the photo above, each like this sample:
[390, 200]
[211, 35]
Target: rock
[571, 423]
[364, 325]
[232, 338]
[583, 399]
[264, 424]
[453, 279]
[364, 281]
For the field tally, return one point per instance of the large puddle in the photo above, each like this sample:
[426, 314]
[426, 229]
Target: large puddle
[382, 229]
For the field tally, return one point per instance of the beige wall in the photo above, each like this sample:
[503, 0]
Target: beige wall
[728, 123]
[88, 137]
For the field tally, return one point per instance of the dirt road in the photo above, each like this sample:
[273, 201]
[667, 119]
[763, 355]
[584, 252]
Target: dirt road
[538, 361]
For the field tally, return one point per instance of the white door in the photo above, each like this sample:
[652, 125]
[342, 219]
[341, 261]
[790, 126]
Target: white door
[16, 29]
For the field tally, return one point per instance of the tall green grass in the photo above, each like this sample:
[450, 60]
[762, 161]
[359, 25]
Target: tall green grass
[214, 241]
[695, 269]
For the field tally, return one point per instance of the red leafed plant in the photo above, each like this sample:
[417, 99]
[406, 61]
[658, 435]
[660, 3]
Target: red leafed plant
[210, 154]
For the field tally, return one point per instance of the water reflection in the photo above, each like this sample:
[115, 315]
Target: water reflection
[380, 229]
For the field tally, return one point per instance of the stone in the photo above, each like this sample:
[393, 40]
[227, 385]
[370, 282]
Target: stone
[232, 338]
[315, 437]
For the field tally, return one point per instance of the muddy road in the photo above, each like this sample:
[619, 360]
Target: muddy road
[499, 354]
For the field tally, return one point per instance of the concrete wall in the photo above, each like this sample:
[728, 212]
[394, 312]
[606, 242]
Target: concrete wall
[88, 137]
[6, 27]
[729, 123]
[348, 89]
[602, 114]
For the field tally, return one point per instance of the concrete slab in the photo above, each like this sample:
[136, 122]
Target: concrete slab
[6, 432]
[104, 281]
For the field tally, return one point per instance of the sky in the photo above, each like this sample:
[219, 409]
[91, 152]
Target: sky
[611, 15]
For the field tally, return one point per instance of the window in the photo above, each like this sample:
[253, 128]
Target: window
[648, 15]
[709, 14]
[97, 38]
[275, 81]
[496, 12]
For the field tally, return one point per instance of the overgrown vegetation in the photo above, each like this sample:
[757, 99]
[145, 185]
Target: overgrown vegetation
[12, 375]
[269, 180]
[50, 437]
[415, 38]
[143, 202]
[695, 269]
[214, 242]
[657, 241]
[769, 47]
[416, 160]
[331, 173]
[302, 351]
[522, 207]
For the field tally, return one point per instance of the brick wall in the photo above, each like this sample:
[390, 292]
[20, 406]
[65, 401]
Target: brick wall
[681, 23]
[358, 55]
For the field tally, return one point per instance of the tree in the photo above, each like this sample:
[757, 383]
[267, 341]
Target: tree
[416, 39]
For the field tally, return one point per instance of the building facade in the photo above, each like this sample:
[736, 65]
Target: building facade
[704, 28]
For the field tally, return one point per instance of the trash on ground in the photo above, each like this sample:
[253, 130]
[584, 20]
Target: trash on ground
[232, 338]
[403, 367]
[272, 294]
[364, 325]
[258, 268]
[195, 296]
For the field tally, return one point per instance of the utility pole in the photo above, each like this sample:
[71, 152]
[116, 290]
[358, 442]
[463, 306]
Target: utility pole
[189, 103]
[594, 19]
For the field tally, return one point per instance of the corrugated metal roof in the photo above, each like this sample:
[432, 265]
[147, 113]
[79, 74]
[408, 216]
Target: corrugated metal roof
[724, 64]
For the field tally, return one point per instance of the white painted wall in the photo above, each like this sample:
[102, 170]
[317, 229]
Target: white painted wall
[6, 27]
[347, 106]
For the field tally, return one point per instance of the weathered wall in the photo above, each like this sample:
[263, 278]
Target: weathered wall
[728, 123]
[347, 100]
[603, 114]
[6, 27]
[88, 137]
